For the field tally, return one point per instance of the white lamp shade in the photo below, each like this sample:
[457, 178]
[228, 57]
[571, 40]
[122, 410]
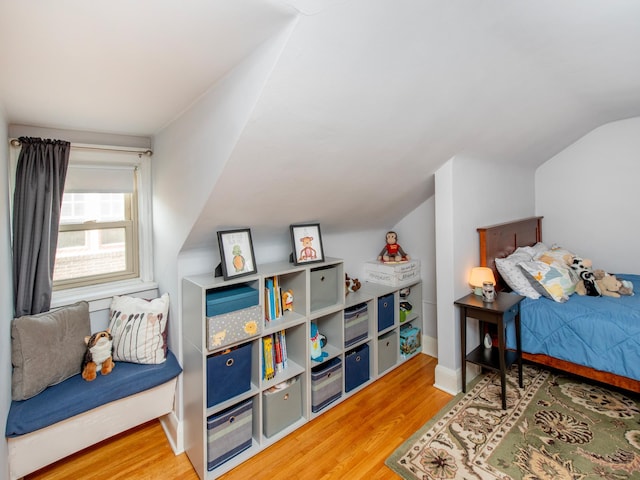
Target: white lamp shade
[478, 276]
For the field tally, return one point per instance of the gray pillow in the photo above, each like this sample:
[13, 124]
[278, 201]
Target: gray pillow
[47, 348]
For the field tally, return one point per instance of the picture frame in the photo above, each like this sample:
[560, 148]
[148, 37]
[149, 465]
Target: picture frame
[236, 253]
[306, 243]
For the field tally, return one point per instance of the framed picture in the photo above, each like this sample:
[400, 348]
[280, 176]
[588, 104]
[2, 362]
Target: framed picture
[306, 242]
[236, 253]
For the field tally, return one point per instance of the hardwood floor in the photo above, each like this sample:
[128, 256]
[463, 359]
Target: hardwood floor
[349, 441]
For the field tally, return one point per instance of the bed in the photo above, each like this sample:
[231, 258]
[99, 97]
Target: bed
[593, 337]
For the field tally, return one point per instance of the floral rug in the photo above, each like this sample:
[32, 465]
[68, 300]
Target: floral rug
[556, 427]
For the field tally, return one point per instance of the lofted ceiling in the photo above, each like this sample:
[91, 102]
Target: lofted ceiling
[372, 95]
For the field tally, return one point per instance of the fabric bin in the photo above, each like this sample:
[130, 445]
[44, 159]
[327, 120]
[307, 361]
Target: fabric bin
[282, 407]
[410, 340]
[228, 299]
[387, 351]
[233, 327]
[229, 433]
[356, 324]
[356, 367]
[326, 384]
[324, 287]
[228, 374]
[386, 312]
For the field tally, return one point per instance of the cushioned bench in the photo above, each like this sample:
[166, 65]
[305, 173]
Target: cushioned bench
[75, 414]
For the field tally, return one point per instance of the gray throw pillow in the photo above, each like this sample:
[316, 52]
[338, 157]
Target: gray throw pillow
[47, 348]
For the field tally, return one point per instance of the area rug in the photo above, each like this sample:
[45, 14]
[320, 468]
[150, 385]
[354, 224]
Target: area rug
[556, 427]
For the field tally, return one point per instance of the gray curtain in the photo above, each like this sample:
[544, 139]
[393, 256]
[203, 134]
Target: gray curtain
[41, 170]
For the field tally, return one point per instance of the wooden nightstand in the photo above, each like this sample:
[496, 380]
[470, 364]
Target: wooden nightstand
[505, 308]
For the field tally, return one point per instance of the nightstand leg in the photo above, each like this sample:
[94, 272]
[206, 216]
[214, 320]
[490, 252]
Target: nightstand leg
[503, 366]
[463, 347]
[519, 349]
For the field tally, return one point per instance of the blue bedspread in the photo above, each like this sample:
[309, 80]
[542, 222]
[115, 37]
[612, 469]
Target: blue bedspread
[75, 395]
[598, 332]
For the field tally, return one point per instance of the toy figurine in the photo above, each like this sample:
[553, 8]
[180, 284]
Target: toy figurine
[392, 252]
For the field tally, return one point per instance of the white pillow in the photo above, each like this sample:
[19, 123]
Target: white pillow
[513, 275]
[139, 327]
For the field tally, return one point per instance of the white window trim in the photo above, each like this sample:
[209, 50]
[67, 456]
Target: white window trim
[107, 290]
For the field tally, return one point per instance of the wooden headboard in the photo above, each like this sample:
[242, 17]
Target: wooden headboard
[497, 241]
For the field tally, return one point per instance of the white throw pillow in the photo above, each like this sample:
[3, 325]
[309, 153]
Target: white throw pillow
[139, 327]
[513, 275]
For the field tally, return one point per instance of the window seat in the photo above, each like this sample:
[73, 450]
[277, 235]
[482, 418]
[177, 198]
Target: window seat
[76, 414]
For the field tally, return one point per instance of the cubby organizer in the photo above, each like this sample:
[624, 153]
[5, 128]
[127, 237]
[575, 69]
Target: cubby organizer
[238, 397]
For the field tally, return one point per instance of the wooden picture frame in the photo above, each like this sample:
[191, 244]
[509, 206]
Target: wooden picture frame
[236, 253]
[306, 243]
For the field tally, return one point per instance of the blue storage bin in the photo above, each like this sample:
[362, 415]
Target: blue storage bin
[228, 299]
[356, 367]
[229, 433]
[386, 312]
[228, 374]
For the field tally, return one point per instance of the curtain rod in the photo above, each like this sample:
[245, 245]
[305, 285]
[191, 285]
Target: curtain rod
[148, 152]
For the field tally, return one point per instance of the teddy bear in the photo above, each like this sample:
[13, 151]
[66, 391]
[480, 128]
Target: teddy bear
[587, 284]
[615, 287]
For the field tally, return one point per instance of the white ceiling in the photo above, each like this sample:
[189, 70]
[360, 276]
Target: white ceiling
[378, 93]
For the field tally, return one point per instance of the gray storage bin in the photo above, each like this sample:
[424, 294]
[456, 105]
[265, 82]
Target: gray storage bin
[326, 384]
[387, 351]
[356, 324]
[282, 407]
[324, 287]
[229, 433]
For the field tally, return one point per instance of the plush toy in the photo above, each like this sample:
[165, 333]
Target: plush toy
[626, 288]
[287, 300]
[98, 356]
[609, 286]
[586, 280]
[392, 252]
[317, 342]
[351, 284]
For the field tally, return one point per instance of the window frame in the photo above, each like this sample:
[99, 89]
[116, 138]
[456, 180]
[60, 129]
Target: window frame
[111, 155]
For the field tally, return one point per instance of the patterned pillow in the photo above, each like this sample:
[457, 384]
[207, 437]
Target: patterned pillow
[514, 276]
[552, 281]
[139, 329]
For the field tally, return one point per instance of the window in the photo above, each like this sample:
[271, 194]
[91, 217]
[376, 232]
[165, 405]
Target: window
[99, 237]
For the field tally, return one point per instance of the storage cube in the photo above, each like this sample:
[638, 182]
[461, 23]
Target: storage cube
[387, 351]
[228, 299]
[228, 374]
[410, 340]
[356, 367]
[386, 312]
[324, 287]
[356, 324]
[229, 433]
[326, 384]
[282, 406]
[392, 274]
[233, 327]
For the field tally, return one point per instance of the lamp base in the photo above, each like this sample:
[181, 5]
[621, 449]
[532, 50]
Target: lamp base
[477, 291]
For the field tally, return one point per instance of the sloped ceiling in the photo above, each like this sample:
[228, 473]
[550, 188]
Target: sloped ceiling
[367, 100]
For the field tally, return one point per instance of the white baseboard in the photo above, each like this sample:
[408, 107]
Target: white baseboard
[430, 346]
[450, 381]
[173, 430]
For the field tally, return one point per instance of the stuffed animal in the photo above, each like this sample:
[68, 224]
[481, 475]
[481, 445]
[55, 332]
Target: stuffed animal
[287, 300]
[609, 286]
[317, 342]
[626, 288]
[584, 274]
[351, 284]
[392, 252]
[98, 356]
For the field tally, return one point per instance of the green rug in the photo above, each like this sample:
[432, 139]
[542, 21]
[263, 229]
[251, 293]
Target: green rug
[555, 428]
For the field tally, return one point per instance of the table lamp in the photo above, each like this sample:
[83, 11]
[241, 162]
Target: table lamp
[478, 276]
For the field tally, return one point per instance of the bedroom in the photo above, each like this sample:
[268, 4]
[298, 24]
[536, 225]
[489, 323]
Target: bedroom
[469, 173]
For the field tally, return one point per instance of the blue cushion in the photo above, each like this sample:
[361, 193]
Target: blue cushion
[75, 395]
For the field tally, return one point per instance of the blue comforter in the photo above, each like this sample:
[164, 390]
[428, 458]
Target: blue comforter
[598, 332]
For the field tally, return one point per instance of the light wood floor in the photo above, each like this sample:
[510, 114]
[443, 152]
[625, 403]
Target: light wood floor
[350, 441]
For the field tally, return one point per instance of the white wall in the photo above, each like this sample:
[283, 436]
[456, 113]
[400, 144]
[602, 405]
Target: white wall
[588, 196]
[6, 292]
[470, 193]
